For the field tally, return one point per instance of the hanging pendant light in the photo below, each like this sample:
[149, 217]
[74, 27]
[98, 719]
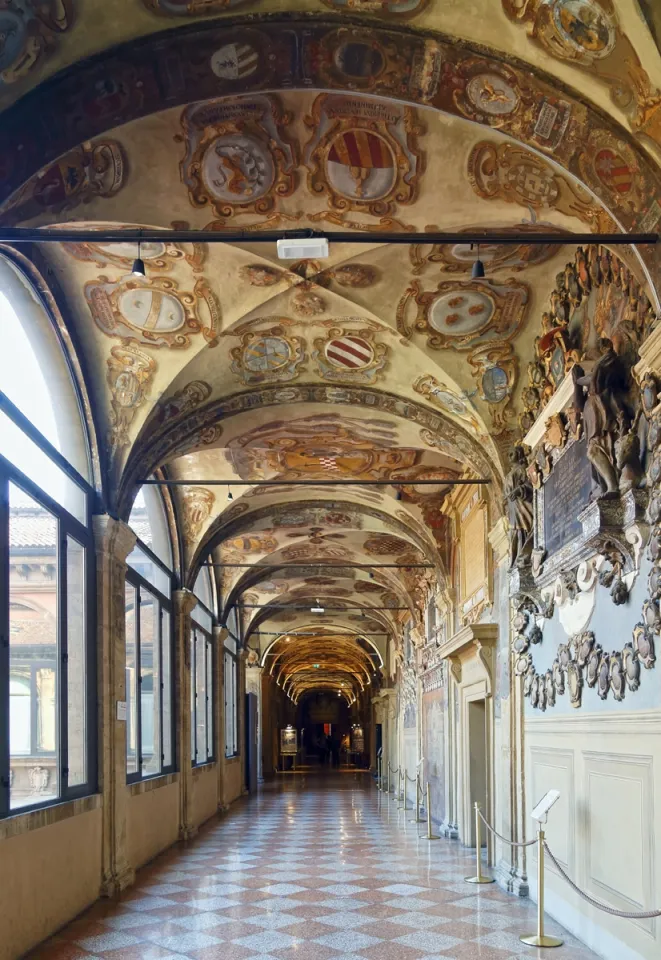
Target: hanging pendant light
[477, 273]
[230, 495]
[139, 265]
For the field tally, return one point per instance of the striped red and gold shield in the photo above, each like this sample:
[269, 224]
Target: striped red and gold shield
[350, 352]
[362, 149]
[613, 171]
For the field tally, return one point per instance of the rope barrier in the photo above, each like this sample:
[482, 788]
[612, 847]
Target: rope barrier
[512, 843]
[646, 915]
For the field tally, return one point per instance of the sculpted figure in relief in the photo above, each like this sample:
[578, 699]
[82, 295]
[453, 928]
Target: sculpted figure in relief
[519, 504]
[608, 420]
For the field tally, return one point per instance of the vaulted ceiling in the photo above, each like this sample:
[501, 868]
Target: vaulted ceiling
[381, 362]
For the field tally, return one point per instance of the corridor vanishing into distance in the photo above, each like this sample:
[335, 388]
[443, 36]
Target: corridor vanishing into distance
[311, 868]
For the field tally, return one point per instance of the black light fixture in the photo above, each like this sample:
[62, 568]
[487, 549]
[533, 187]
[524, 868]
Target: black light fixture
[138, 269]
[398, 495]
[477, 273]
[230, 495]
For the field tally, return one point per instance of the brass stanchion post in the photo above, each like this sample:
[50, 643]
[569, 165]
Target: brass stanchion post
[539, 939]
[417, 818]
[479, 877]
[430, 835]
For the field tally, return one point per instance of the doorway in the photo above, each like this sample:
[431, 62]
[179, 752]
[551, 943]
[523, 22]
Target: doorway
[477, 771]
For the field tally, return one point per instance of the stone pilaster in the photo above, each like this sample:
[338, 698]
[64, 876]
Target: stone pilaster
[242, 666]
[113, 542]
[219, 635]
[254, 685]
[184, 602]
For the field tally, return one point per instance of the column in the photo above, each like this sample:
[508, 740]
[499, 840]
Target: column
[254, 685]
[113, 542]
[184, 602]
[242, 661]
[510, 813]
[219, 635]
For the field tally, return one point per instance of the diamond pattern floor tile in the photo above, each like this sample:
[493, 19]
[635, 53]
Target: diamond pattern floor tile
[320, 870]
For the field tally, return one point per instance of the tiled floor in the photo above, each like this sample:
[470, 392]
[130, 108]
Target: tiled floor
[314, 868]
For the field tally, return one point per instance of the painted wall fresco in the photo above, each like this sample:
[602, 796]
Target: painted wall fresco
[84, 101]
[237, 155]
[96, 169]
[588, 34]
[29, 30]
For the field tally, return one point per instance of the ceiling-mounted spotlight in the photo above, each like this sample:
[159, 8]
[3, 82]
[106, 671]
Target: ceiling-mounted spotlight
[398, 495]
[138, 269]
[477, 273]
[318, 608]
[230, 495]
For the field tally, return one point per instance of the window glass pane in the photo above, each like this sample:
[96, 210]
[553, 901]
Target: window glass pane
[202, 588]
[150, 680]
[24, 453]
[230, 706]
[210, 687]
[201, 700]
[142, 563]
[131, 682]
[166, 645]
[40, 385]
[76, 664]
[230, 644]
[148, 520]
[200, 615]
[193, 705]
[33, 651]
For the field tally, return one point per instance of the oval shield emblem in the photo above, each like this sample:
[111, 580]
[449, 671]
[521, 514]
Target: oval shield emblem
[151, 310]
[237, 169]
[459, 313]
[361, 165]
[350, 353]
[266, 354]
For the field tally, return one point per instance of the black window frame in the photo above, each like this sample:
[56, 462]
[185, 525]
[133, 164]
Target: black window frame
[234, 659]
[209, 644]
[68, 526]
[139, 582]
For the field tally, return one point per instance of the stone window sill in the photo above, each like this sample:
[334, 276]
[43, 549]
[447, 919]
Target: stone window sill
[201, 768]
[22, 823]
[154, 783]
[234, 759]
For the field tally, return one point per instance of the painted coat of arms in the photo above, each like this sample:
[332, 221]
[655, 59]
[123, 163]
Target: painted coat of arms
[238, 159]
[28, 30]
[387, 8]
[153, 313]
[190, 8]
[94, 169]
[363, 154]
[350, 356]
[464, 315]
[268, 356]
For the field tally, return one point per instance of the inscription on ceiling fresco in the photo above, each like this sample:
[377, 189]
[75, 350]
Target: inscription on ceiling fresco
[566, 494]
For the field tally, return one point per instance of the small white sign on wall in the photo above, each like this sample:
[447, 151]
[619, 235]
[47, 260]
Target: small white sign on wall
[121, 710]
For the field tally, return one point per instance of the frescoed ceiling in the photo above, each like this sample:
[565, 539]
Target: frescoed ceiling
[379, 363]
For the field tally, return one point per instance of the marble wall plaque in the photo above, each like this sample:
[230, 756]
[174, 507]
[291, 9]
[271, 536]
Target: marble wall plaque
[566, 494]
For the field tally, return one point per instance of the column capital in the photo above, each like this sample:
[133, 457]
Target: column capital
[185, 600]
[112, 538]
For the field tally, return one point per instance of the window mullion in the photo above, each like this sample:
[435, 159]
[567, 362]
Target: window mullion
[159, 652]
[138, 678]
[62, 746]
[4, 644]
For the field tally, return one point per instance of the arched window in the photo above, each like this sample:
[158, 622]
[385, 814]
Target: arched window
[47, 670]
[149, 641]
